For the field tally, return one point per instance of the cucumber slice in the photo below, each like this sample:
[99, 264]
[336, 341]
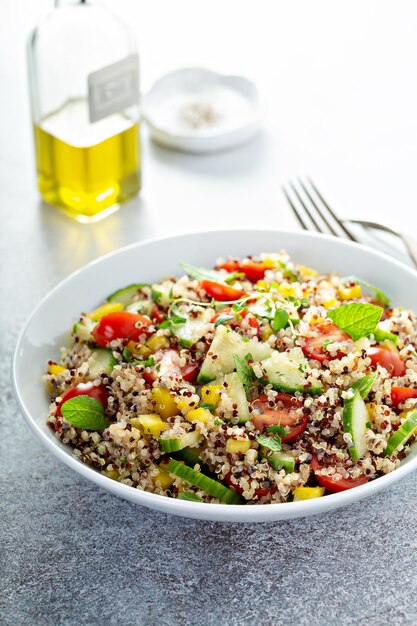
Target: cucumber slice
[193, 328]
[355, 418]
[236, 393]
[191, 457]
[364, 384]
[101, 361]
[126, 295]
[83, 328]
[206, 484]
[161, 293]
[173, 444]
[279, 460]
[403, 434]
[286, 372]
[225, 344]
[143, 307]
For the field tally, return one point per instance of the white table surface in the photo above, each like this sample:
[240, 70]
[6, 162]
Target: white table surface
[339, 88]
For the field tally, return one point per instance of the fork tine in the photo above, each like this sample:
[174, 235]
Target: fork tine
[306, 209]
[319, 211]
[295, 210]
[331, 212]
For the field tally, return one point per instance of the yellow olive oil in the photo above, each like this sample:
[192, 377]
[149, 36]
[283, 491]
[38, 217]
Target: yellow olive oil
[87, 169]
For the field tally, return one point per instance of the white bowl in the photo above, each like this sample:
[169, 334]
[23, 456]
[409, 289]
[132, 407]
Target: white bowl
[47, 329]
[240, 101]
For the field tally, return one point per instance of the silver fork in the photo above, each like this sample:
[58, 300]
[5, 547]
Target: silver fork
[314, 213]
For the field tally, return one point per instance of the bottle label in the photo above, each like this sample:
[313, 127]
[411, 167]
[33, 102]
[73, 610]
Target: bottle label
[113, 88]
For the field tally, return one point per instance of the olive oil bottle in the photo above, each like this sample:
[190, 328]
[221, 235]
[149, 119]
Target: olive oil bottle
[84, 80]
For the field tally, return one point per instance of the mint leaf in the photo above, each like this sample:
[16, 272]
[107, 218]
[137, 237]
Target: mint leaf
[207, 405]
[201, 273]
[164, 324]
[85, 412]
[222, 320]
[190, 496]
[380, 297]
[280, 320]
[382, 335]
[356, 319]
[364, 385]
[276, 429]
[272, 443]
[244, 371]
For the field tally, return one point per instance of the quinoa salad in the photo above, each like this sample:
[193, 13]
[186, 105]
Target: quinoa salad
[259, 381]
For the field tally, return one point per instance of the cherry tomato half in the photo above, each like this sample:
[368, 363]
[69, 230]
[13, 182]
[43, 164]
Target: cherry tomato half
[220, 292]
[84, 389]
[401, 394]
[387, 358]
[236, 322]
[286, 413]
[314, 348]
[121, 325]
[253, 270]
[335, 485]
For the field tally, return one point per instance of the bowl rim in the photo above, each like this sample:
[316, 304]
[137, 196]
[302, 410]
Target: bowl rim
[218, 512]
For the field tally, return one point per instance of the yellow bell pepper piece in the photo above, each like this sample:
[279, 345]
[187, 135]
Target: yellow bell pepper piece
[113, 474]
[266, 333]
[307, 493]
[55, 369]
[350, 293]
[139, 350]
[306, 272]
[199, 415]
[286, 290]
[330, 303]
[317, 319]
[164, 479]
[105, 309]
[149, 424]
[211, 394]
[165, 404]
[234, 446]
[156, 342]
[262, 284]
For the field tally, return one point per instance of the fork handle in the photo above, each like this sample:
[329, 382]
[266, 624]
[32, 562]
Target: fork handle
[409, 243]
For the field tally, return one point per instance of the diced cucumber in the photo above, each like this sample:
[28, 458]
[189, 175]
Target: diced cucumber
[101, 361]
[263, 307]
[403, 434]
[173, 444]
[279, 460]
[191, 457]
[226, 343]
[193, 328]
[286, 371]
[355, 418]
[83, 328]
[161, 293]
[237, 395]
[364, 384]
[143, 307]
[206, 484]
[126, 295]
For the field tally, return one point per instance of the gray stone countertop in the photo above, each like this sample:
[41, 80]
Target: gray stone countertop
[73, 554]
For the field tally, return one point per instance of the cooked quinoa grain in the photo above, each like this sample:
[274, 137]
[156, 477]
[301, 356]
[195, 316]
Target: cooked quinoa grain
[242, 384]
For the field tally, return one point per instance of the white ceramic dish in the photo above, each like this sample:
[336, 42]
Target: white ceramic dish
[236, 99]
[47, 330]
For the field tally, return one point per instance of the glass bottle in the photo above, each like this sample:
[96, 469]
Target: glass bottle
[84, 81]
